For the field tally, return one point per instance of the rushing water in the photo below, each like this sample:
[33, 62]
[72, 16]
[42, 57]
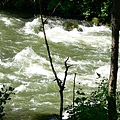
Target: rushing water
[24, 63]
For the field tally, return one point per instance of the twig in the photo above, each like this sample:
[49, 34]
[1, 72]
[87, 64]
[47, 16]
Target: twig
[53, 11]
[59, 3]
[74, 95]
[66, 71]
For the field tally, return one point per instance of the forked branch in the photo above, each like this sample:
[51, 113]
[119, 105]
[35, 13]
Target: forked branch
[60, 83]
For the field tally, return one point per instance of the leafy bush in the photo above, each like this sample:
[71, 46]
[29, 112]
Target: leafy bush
[90, 107]
[4, 96]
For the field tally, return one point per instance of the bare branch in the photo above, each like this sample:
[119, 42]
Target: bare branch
[66, 72]
[53, 11]
[59, 82]
[74, 96]
[48, 49]
[59, 3]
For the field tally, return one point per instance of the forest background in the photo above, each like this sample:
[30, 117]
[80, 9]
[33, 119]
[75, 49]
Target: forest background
[75, 9]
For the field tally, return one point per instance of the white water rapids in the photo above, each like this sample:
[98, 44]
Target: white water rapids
[24, 63]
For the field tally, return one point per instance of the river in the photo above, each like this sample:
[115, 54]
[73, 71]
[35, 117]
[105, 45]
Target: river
[24, 63]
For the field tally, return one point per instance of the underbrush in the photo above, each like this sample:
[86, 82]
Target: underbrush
[93, 106]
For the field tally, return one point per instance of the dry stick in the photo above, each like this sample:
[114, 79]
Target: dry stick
[66, 71]
[48, 49]
[59, 82]
[59, 3]
[74, 89]
[53, 11]
[74, 95]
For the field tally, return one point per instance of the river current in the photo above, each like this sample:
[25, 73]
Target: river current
[24, 63]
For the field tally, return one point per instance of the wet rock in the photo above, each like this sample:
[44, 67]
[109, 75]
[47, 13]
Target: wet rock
[68, 25]
[80, 29]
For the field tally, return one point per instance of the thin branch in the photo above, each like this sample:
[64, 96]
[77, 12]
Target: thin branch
[59, 82]
[66, 72]
[74, 95]
[48, 49]
[53, 11]
[59, 3]
[74, 89]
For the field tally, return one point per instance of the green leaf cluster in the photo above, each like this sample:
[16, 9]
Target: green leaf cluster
[4, 96]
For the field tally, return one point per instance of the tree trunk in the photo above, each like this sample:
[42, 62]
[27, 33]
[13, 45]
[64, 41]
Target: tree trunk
[112, 112]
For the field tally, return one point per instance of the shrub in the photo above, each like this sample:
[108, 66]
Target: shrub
[4, 96]
[90, 107]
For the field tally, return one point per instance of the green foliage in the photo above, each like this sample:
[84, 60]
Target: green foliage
[52, 4]
[91, 107]
[80, 9]
[118, 102]
[4, 96]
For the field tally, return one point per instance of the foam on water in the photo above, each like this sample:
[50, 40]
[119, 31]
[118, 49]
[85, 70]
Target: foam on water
[6, 21]
[5, 64]
[36, 70]
[98, 29]
[1, 75]
[31, 74]
[27, 53]
[29, 63]
[57, 34]
[36, 103]
[29, 26]
[20, 88]
[104, 71]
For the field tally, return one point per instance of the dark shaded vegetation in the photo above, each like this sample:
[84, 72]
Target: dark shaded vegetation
[30, 116]
[93, 106]
[77, 9]
[5, 93]
[46, 117]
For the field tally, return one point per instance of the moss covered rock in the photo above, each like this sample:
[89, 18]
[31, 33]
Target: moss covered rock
[68, 25]
[95, 21]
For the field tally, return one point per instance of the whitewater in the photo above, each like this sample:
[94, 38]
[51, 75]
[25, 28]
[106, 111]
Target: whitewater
[24, 63]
